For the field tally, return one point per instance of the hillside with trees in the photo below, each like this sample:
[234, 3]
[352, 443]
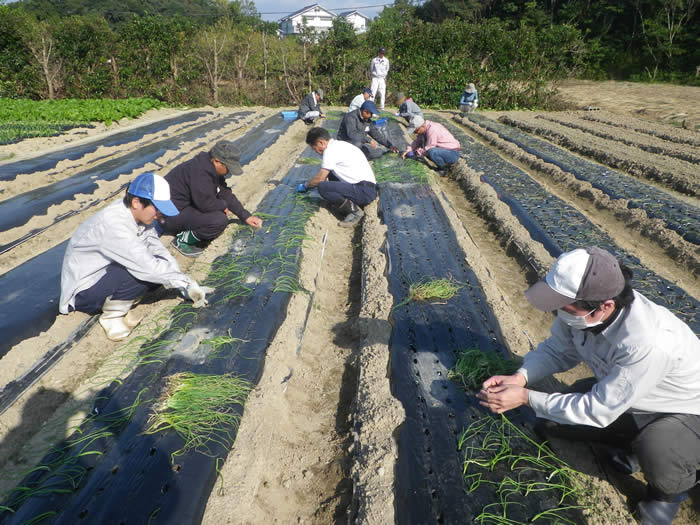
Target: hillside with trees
[218, 52]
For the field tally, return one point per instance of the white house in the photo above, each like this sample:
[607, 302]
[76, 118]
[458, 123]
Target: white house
[320, 19]
[356, 19]
[317, 17]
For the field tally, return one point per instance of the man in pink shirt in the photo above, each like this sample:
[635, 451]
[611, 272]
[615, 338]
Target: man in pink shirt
[433, 141]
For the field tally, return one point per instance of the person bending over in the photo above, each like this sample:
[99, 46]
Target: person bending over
[116, 256]
[199, 191]
[360, 99]
[645, 397]
[345, 178]
[435, 142]
[470, 99]
[309, 109]
[357, 129]
[407, 109]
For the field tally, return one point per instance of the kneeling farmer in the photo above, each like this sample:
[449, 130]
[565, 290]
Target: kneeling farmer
[345, 179]
[645, 397]
[199, 191]
[116, 256]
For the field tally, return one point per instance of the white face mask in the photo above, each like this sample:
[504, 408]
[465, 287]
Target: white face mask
[577, 321]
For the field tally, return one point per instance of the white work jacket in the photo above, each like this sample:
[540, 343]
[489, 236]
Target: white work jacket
[646, 360]
[112, 235]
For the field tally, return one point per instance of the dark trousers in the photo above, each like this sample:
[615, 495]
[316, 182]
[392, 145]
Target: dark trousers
[666, 445]
[118, 283]
[336, 191]
[373, 153]
[205, 225]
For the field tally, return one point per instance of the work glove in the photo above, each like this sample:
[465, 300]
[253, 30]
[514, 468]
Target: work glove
[198, 294]
[301, 187]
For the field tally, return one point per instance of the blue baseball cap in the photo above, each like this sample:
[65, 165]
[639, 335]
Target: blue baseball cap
[156, 189]
[370, 106]
[367, 90]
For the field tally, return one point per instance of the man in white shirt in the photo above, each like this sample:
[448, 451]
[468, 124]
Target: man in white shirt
[345, 179]
[116, 256]
[645, 397]
[360, 99]
[379, 69]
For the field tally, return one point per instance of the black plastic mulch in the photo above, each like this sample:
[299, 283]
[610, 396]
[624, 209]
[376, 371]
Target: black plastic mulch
[560, 227]
[29, 293]
[678, 216]
[50, 160]
[424, 346]
[128, 477]
[19, 210]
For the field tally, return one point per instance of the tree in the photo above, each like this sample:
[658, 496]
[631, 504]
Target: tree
[212, 46]
[40, 41]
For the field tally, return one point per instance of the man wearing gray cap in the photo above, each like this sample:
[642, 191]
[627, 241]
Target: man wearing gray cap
[357, 129]
[199, 191]
[309, 109]
[645, 397]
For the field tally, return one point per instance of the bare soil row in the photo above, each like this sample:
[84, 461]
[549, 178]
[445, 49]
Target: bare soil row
[673, 173]
[669, 133]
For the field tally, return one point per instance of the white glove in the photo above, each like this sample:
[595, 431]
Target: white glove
[198, 294]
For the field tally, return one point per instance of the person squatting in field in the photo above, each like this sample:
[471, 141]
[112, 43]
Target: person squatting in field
[435, 142]
[360, 99]
[644, 400]
[199, 191]
[470, 99]
[309, 109]
[357, 129]
[407, 109]
[116, 256]
[345, 178]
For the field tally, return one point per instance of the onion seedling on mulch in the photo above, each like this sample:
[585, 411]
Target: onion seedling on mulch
[435, 291]
[204, 410]
[475, 366]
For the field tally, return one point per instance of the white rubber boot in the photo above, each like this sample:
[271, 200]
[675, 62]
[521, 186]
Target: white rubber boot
[113, 319]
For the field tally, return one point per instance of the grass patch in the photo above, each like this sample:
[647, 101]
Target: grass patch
[499, 455]
[474, 366]
[204, 410]
[392, 168]
[308, 160]
[436, 291]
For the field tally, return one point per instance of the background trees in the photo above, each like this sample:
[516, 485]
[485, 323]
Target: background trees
[220, 51]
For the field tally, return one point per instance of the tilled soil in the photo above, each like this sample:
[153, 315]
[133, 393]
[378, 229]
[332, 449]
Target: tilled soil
[316, 443]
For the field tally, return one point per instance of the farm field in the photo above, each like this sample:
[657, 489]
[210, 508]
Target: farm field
[325, 432]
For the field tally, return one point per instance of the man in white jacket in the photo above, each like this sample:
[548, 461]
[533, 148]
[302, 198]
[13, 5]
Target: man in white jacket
[645, 397]
[116, 256]
[379, 69]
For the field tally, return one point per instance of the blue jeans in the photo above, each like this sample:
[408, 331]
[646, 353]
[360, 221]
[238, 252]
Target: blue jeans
[442, 157]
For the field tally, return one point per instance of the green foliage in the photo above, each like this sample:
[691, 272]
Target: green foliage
[511, 50]
[475, 366]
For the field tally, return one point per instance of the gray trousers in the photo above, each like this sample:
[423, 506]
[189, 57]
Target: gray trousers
[666, 445]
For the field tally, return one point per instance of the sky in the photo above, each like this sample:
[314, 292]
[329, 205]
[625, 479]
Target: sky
[273, 10]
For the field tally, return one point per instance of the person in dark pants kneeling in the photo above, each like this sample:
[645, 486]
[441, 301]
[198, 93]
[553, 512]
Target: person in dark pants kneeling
[115, 257]
[204, 200]
[645, 397]
[345, 179]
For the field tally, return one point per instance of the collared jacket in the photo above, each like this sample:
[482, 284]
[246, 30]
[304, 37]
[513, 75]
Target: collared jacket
[410, 109]
[195, 183]
[435, 136]
[308, 103]
[354, 129]
[379, 67]
[645, 360]
[112, 235]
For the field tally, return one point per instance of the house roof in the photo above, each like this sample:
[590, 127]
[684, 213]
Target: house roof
[305, 9]
[346, 14]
